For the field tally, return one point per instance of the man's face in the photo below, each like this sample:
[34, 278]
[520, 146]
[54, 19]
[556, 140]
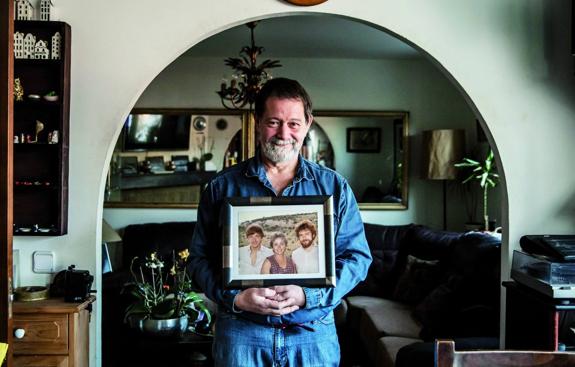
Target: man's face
[255, 240]
[305, 238]
[282, 129]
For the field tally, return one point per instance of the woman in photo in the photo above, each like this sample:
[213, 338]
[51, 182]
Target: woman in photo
[279, 263]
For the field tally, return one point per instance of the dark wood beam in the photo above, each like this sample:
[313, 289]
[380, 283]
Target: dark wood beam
[6, 170]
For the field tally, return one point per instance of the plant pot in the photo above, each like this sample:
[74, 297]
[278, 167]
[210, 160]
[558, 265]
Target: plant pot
[165, 327]
[135, 321]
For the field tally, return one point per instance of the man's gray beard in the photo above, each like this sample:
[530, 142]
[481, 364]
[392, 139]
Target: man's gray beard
[279, 154]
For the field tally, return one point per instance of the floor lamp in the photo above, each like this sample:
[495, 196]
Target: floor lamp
[441, 150]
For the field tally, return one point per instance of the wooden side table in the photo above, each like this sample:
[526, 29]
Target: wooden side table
[51, 333]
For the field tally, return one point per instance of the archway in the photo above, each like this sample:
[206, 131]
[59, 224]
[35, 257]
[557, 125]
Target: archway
[457, 86]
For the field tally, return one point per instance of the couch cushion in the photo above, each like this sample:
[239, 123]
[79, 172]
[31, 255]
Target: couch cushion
[388, 347]
[393, 321]
[418, 279]
[384, 243]
[356, 305]
[467, 303]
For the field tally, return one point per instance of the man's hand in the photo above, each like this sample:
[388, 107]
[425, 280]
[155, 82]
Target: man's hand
[289, 295]
[265, 301]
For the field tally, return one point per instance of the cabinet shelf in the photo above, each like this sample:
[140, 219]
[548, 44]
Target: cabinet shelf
[36, 187]
[36, 146]
[37, 62]
[35, 104]
[42, 205]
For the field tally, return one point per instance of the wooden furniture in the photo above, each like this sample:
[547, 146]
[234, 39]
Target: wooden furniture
[446, 356]
[41, 158]
[537, 322]
[51, 333]
[6, 126]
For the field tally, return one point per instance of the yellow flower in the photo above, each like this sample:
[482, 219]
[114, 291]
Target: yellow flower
[153, 256]
[173, 270]
[184, 254]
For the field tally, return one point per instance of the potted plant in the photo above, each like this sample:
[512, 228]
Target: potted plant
[484, 173]
[164, 302]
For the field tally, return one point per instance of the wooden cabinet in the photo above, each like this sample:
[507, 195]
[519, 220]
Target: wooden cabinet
[41, 131]
[51, 333]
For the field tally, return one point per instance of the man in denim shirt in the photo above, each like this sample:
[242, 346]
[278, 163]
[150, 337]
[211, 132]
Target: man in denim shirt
[289, 324]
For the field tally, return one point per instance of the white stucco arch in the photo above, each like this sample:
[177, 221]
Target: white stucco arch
[511, 58]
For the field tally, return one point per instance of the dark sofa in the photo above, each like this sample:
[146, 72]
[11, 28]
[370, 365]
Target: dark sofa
[422, 284]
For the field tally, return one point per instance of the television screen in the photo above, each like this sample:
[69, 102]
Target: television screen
[157, 132]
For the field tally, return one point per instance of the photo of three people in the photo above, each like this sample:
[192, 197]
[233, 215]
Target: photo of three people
[281, 248]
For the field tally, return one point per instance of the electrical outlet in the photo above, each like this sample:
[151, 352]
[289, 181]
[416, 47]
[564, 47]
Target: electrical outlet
[43, 262]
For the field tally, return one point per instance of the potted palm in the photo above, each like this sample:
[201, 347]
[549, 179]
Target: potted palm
[484, 173]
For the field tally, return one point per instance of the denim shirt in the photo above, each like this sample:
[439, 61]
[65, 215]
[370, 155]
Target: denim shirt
[248, 178]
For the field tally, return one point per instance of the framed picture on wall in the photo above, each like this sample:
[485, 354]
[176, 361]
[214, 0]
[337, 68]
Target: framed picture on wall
[278, 241]
[363, 139]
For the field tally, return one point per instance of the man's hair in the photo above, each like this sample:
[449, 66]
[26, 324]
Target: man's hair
[282, 88]
[276, 236]
[306, 224]
[254, 228]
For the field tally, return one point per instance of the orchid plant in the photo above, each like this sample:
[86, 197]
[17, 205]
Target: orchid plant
[164, 294]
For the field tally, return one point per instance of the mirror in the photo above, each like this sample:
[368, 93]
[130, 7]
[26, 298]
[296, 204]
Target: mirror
[153, 166]
[370, 150]
[163, 157]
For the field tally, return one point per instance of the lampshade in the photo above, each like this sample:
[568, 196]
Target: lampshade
[109, 234]
[441, 150]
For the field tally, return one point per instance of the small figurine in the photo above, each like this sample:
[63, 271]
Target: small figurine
[18, 45]
[45, 8]
[18, 90]
[41, 50]
[16, 140]
[39, 127]
[53, 139]
[24, 10]
[56, 45]
[28, 139]
[29, 44]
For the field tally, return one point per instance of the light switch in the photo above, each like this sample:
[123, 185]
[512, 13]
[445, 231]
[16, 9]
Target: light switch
[43, 262]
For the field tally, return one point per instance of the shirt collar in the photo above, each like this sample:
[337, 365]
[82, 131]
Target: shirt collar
[255, 168]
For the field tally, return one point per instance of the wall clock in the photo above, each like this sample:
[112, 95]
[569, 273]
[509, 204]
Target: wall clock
[305, 2]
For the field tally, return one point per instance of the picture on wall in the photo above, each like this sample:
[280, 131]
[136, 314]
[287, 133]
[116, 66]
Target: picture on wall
[363, 140]
[278, 241]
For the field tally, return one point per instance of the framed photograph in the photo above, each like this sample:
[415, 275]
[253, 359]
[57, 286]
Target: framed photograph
[278, 241]
[363, 139]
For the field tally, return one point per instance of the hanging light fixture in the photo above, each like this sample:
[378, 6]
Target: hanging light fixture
[248, 77]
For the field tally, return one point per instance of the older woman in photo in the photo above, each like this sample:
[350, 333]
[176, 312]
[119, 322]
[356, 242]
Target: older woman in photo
[279, 262]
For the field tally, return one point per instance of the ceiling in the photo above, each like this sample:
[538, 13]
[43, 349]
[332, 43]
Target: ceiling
[309, 36]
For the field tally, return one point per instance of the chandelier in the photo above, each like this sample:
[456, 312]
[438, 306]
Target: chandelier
[248, 77]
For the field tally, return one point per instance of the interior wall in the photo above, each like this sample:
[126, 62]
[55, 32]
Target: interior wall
[412, 85]
[511, 58]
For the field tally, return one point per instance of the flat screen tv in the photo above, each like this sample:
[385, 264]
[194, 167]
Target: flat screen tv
[157, 132]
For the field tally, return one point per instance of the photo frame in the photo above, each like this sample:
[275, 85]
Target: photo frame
[363, 140]
[277, 219]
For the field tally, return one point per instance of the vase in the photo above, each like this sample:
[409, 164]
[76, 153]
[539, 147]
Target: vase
[165, 327]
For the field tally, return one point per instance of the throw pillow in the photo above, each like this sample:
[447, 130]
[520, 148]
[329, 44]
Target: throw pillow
[417, 280]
